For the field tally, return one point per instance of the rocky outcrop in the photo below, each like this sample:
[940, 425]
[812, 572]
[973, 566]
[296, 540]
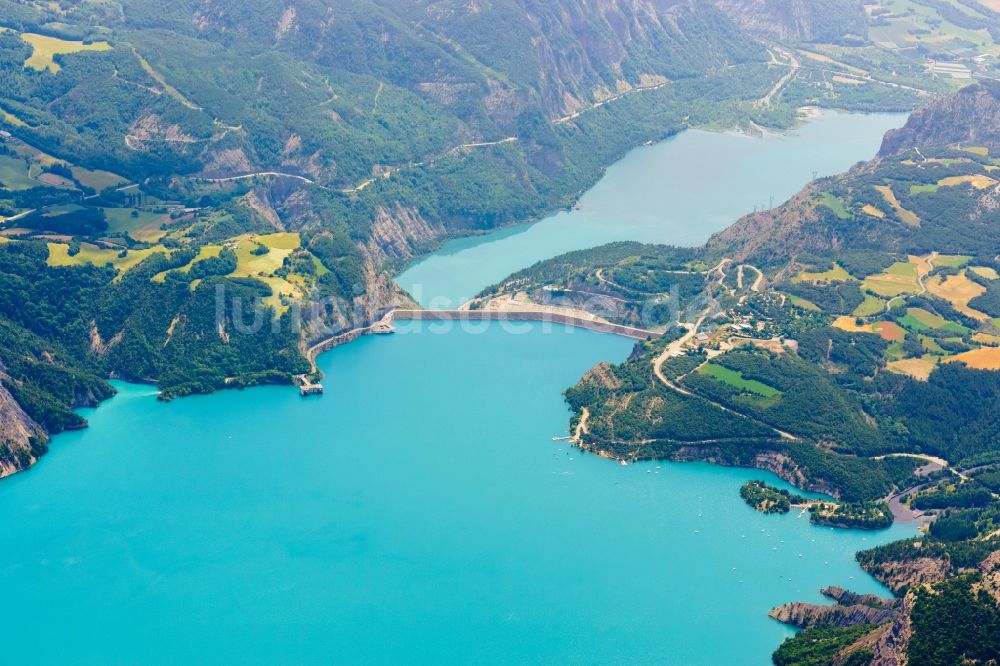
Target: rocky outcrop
[98, 345]
[849, 610]
[602, 375]
[226, 162]
[21, 438]
[890, 646]
[799, 20]
[970, 117]
[901, 575]
[779, 463]
[990, 582]
[149, 130]
[398, 233]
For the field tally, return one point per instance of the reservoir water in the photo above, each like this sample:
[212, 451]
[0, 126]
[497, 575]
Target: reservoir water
[420, 512]
[678, 192]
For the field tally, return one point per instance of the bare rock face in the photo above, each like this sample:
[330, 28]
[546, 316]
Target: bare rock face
[902, 575]
[990, 583]
[20, 436]
[397, 232]
[799, 20]
[804, 615]
[850, 610]
[891, 646]
[970, 117]
[846, 597]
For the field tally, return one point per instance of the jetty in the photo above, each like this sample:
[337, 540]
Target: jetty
[307, 387]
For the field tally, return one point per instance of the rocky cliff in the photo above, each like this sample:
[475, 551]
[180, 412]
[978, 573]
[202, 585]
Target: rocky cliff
[21, 439]
[970, 117]
[849, 610]
[799, 20]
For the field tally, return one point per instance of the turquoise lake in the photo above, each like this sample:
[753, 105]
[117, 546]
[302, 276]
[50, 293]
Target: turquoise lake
[678, 192]
[421, 512]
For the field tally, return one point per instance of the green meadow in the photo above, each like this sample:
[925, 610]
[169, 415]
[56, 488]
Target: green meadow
[736, 380]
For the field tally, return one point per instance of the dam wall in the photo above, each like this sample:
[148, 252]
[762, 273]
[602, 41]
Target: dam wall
[527, 315]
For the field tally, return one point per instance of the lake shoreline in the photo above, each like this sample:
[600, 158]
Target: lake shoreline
[803, 116]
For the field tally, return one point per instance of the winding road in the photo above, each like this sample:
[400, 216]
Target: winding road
[794, 64]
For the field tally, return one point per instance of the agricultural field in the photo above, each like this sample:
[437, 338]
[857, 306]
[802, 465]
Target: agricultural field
[978, 181]
[900, 278]
[850, 324]
[139, 224]
[912, 24]
[259, 257]
[279, 247]
[890, 331]
[736, 380]
[14, 174]
[869, 209]
[887, 330]
[836, 205]
[918, 319]
[987, 339]
[985, 272]
[25, 169]
[981, 151]
[958, 290]
[906, 216]
[98, 256]
[281, 289]
[800, 302]
[835, 274]
[12, 119]
[97, 180]
[931, 345]
[951, 261]
[827, 60]
[263, 266]
[984, 358]
[918, 368]
[205, 252]
[872, 305]
[45, 48]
